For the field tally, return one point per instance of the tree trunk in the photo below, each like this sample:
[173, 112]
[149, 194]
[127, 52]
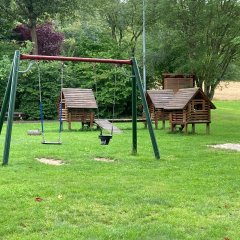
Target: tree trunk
[34, 39]
[206, 89]
[212, 91]
[209, 90]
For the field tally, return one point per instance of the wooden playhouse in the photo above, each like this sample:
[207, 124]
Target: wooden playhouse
[177, 81]
[189, 106]
[157, 100]
[78, 105]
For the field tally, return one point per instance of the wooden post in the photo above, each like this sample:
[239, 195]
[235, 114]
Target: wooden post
[208, 128]
[186, 128]
[91, 119]
[171, 122]
[193, 128]
[185, 122]
[69, 121]
[156, 119]
[163, 124]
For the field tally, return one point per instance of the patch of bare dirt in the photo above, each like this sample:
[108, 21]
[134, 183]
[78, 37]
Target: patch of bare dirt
[228, 146]
[100, 159]
[227, 91]
[50, 161]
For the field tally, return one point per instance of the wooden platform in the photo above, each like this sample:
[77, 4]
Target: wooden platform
[126, 120]
[106, 125]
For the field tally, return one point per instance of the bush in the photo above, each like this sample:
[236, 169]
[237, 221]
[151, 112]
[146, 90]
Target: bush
[28, 90]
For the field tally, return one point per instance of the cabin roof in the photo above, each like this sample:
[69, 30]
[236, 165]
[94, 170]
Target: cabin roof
[184, 96]
[160, 98]
[79, 98]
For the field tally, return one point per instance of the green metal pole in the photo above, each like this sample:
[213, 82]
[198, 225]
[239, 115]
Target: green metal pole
[5, 100]
[11, 107]
[145, 107]
[134, 114]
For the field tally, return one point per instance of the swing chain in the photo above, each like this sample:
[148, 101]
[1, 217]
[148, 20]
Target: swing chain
[114, 97]
[96, 87]
[28, 68]
[40, 101]
[41, 105]
[60, 110]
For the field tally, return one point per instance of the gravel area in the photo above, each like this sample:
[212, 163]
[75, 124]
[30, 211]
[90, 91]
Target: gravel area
[228, 146]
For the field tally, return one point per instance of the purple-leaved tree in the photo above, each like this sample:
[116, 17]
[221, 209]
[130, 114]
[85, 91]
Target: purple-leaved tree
[49, 41]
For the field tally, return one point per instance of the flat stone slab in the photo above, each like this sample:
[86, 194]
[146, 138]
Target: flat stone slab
[228, 146]
[34, 132]
[101, 159]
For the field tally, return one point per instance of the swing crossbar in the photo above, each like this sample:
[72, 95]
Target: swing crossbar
[74, 59]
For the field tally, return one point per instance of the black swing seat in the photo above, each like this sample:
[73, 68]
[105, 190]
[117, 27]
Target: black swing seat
[105, 139]
[53, 143]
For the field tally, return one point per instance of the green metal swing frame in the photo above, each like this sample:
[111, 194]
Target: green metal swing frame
[8, 103]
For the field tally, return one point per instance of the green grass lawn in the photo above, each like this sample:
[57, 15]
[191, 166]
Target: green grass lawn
[191, 193]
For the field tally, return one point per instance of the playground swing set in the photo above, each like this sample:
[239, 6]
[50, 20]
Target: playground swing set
[8, 103]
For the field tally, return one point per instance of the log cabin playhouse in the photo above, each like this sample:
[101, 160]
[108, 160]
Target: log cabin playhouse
[189, 106]
[157, 100]
[186, 106]
[177, 81]
[78, 105]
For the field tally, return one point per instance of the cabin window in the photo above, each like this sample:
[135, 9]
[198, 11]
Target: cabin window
[198, 106]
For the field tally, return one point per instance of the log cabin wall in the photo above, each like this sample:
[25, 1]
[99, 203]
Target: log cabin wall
[156, 100]
[78, 105]
[177, 81]
[198, 111]
[189, 106]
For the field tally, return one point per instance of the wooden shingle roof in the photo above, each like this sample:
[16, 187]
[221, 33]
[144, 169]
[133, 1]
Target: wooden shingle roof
[160, 98]
[79, 98]
[183, 97]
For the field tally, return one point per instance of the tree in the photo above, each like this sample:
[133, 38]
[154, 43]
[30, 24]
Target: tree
[124, 20]
[48, 40]
[31, 12]
[207, 36]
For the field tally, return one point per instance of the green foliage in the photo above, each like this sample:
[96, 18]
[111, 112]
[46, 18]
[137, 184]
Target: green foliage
[92, 41]
[28, 90]
[101, 79]
[206, 37]
[33, 12]
[29, 12]
[7, 48]
[5, 67]
[200, 37]
[75, 76]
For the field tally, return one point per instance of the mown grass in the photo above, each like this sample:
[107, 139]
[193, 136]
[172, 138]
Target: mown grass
[191, 193]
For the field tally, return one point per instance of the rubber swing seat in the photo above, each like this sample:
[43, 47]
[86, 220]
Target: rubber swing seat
[105, 139]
